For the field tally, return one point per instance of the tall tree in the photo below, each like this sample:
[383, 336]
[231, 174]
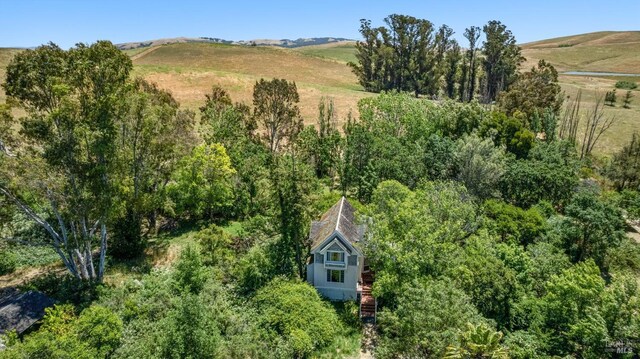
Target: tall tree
[275, 108]
[406, 55]
[470, 65]
[72, 100]
[153, 135]
[624, 169]
[321, 146]
[451, 71]
[501, 59]
[533, 92]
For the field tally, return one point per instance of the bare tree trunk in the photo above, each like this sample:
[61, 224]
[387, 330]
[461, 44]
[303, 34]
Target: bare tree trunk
[597, 124]
[76, 255]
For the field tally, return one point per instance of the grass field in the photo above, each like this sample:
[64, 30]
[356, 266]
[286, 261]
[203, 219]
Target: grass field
[189, 70]
[343, 52]
[607, 51]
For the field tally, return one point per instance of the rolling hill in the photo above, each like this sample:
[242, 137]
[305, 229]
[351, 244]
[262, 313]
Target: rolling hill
[607, 51]
[190, 68]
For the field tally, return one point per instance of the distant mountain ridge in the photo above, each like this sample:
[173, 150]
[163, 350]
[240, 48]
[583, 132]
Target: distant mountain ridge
[287, 43]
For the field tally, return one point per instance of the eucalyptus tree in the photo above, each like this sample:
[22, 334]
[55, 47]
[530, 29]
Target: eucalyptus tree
[61, 176]
[502, 57]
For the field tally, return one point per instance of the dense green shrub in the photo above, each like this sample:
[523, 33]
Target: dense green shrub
[95, 333]
[627, 85]
[427, 319]
[190, 274]
[295, 312]
[215, 246]
[8, 261]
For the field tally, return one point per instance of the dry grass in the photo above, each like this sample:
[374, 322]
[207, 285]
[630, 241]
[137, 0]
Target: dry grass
[190, 70]
[343, 52]
[626, 120]
[600, 51]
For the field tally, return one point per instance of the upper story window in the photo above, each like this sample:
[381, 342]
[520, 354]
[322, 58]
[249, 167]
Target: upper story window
[335, 256]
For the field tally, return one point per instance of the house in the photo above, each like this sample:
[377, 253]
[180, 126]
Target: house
[336, 262]
[20, 310]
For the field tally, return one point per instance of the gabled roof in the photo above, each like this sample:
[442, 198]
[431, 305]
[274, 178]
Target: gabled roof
[339, 218]
[19, 311]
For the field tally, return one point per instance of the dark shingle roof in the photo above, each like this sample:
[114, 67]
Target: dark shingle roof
[19, 311]
[340, 217]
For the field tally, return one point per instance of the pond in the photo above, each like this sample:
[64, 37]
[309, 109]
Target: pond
[588, 73]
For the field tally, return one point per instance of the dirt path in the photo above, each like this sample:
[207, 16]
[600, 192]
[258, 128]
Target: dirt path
[633, 231]
[368, 341]
[24, 275]
[144, 53]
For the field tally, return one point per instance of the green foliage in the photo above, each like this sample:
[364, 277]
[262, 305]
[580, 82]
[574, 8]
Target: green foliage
[416, 234]
[96, 333]
[549, 174]
[255, 269]
[501, 59]
[406, 55]
[533, 92]
[190, 274]
[546, 260]
[610, 98]
[627, 85]
[624, 169]
[215, 246]
[68, 145]
[487, 280]
[480, 165]
[321, 145]
[591, 227]
[569, 311]
[522, 345]
[203, 186]
[478, 341]
[153, 135]
[8, 261]
[100, 328]
[509, 132]
[190, 331]
[235, 128]
[276, 110]
[295, 312]
[626, 101]
[428, 317]
[397, 138]
[514, 223]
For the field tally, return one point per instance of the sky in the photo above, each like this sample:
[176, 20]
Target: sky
[28, 23]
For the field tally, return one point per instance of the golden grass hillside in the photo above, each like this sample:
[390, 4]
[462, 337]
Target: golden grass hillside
[189, 70]
[607, 51]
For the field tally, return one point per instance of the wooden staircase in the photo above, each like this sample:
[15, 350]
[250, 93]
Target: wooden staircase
[368, 305]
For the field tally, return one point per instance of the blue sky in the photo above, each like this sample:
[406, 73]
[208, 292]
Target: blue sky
[28, 23]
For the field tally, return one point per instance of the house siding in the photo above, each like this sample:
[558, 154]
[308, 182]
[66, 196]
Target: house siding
[317, 276]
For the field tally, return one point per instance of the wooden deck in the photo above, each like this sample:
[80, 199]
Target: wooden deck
[368, 303]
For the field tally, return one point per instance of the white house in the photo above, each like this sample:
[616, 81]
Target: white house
[336, 263]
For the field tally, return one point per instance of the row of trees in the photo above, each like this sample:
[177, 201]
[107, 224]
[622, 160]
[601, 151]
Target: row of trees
[413, 55]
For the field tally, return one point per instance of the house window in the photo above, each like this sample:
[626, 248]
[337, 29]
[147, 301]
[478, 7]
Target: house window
[335, 256]
[336, 276]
